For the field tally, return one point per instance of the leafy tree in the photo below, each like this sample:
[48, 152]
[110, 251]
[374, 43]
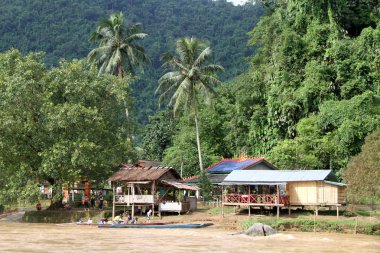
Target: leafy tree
[158, 135]
[363, 172]
[206, 186]
[182, 153]
[118, 52]
[191, 78]
[61, 29]
[58, 125]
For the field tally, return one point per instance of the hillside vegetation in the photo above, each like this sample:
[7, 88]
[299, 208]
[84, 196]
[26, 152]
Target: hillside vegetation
[62, 29]
[309, 99]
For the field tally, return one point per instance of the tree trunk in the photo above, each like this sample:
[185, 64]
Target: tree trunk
[198, 141]
[56, 197]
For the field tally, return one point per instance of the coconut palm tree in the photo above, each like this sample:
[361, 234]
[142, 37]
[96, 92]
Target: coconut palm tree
[191, 78]
[118, 51]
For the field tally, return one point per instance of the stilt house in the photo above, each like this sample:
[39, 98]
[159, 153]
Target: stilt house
[289, 188]
[146, 185]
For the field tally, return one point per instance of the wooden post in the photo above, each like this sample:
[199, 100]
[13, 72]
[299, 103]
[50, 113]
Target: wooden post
[278, 202]
[154, 194]
[222, 202]
[337, 211]
[133, 201]
[113, 201]
[249, 200]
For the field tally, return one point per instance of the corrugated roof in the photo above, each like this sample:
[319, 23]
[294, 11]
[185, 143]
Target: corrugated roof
[214, 178]
[228, 165]
[136, 173]
[276, 176]
[179, 185]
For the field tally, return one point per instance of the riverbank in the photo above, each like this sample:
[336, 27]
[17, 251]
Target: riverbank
[231, 221]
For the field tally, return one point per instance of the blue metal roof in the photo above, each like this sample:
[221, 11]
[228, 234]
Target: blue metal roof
[231, 165]
[275, 176]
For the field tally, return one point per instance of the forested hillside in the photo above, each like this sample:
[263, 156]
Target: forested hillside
[309, 99]
[62, 28]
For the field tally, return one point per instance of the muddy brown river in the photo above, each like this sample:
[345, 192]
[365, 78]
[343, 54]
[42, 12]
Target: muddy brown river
[21, 237]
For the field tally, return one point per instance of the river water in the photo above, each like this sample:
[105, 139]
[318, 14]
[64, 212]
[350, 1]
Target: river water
[27, 237]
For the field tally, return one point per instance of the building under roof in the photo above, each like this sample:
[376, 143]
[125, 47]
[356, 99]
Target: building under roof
[146, 184]
[256, 177]
[283, 188]
[218, 172]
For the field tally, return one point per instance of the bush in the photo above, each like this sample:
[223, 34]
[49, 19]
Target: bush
[2, 208]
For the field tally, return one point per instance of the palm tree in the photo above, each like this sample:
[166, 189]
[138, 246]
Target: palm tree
[118, 51]
[192, 77]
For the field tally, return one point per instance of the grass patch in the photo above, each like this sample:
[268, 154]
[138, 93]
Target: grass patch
[218, 210]
[307, 225]
[364, 213]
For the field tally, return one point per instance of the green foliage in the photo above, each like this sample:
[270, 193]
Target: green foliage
[311, 95]
[191, 81]
[61, 29]
[58, 125]
[218, 210]
[205, 185]
[183, 151]
[307, 225]
[158, 135]
[118, 52]
[363, 172]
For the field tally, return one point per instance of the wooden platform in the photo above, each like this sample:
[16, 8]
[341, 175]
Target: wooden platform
[251, 204]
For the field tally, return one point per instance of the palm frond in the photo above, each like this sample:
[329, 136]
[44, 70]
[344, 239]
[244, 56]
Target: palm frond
[203, 57]
[114, 62]
[115, 34]
[212, 69]
[134, 37]
[179, 96]
[98, 54]
[190, 75]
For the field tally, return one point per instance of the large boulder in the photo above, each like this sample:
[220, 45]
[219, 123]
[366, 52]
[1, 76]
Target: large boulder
[259, 229]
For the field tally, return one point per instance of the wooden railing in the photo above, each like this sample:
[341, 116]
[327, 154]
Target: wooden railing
[255, 199]
[129, 199]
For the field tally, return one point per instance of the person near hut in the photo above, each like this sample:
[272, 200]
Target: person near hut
[101, 199]
[148, 215]
[103, 221]
[38, 206]
[118, 219]
[92, 201]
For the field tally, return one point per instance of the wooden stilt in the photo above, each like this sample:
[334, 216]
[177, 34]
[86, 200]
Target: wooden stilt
[154, 194]
[337, 211]
[249, 200]
[113, 201]
[222, 202]
[278, 202]
[133, 201]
